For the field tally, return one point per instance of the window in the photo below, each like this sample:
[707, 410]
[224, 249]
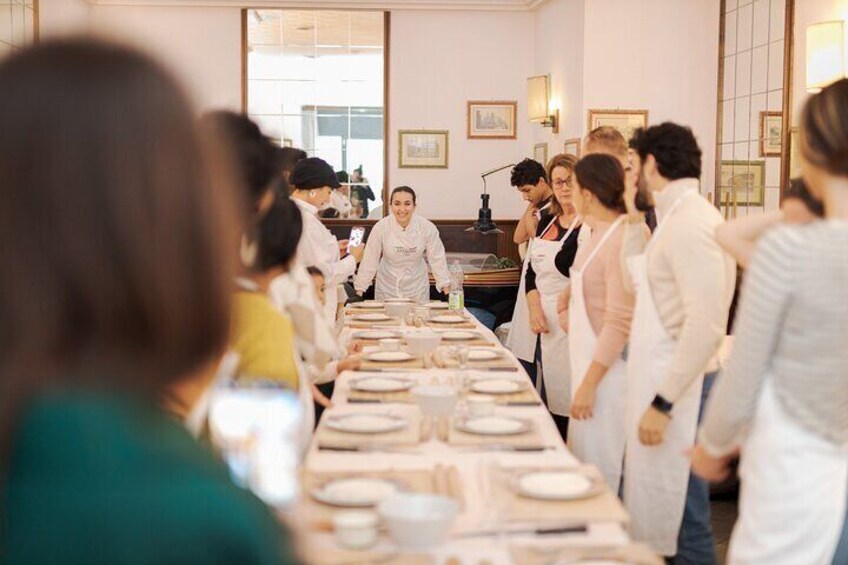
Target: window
[18, 19]
[315, 80]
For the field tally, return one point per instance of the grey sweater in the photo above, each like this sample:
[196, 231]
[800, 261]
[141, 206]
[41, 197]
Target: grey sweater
[792, 326]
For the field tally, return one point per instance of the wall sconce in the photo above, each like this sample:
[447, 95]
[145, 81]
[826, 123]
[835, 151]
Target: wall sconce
[538, 102]
[825, 54]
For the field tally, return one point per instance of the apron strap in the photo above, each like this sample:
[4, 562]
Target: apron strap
[618, 221]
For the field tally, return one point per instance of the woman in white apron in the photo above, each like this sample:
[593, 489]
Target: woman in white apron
[782, 395]
[599, 316]
[399, 248]
[546, 279]
[312, 181]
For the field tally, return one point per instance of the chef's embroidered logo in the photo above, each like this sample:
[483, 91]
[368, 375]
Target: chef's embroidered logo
[405, 250]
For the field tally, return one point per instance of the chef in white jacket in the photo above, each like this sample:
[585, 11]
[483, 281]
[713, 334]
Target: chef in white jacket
[312, 182]
[397, 248]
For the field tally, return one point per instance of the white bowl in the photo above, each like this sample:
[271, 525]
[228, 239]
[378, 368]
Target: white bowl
[422, 343]
[435, 400]
[418, 521]
[398, 309]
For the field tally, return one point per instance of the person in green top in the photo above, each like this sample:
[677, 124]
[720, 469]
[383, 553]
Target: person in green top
[119, 225]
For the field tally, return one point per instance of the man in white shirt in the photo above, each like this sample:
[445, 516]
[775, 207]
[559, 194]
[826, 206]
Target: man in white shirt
[684, 284]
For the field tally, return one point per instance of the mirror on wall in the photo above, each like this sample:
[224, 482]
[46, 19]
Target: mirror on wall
[18, 24]
[752, 102]
[315, 80]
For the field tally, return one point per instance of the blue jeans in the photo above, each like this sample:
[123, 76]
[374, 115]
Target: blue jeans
[841, 555]
[695, 544]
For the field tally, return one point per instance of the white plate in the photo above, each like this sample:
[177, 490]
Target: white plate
[498, 386]
[365, 423]
[368, 304]
[448, 319]
[494, 425]
[456, 335]
[381, 384]
[398, 300]
[555, 485]
[375, 317]
[355, 493]
[375, 334]
[437, 305]
[483, 354]
[389, 356]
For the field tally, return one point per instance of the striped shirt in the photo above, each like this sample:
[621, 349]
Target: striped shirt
[792, 327]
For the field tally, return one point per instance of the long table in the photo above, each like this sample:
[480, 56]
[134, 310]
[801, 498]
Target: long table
[479, 515]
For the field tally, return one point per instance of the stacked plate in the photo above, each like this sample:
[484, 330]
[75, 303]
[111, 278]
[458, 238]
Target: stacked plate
[366, 423]
[355, 492]
[557, 485]
[448, 319]
[459, 335]
[389, 356]
[371, 317]
[368, 305]
[494, 425]
[381, 384]
[498, 386]
[375, 334]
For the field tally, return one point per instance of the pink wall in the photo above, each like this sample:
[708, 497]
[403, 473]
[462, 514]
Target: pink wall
[659, 55]
[439, 61]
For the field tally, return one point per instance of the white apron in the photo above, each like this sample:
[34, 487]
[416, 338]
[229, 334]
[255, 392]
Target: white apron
[550, 283]
[521, 341]
[792, 499]
[403, 272]
[656, 477]
[601, 439]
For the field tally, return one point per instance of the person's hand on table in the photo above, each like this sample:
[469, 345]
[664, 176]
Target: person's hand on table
[584, 400]
[709, 468]
[652, 426]
[349, 363]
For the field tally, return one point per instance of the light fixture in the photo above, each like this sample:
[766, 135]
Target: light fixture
[825, 54]
[538, 102]
[484, 223]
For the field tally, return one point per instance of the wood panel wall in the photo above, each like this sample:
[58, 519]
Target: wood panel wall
[453, 235]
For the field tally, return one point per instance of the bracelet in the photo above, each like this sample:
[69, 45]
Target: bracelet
[662, 405]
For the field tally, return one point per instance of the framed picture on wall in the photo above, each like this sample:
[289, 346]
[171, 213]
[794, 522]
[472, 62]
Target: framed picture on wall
[572, 147]
[491, 120]
[742, 183]
[540, 153]
[625, 121]
[771, 133]
[422, 149]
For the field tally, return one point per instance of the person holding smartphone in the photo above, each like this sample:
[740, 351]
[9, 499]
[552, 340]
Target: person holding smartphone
[397, 248]
[313, 181]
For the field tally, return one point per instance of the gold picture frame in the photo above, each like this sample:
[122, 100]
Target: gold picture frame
[491, 119]
[572, 146]
[423, 149]
[625, 121]
[771, 133]
[742, 183]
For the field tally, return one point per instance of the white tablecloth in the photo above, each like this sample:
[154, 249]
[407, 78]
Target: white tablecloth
[479, 513]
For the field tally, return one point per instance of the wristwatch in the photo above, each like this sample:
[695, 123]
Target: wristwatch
[662, 405]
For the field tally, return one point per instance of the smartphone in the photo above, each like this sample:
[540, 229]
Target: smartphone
[356, 235]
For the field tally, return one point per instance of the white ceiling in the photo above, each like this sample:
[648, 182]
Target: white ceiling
[488, 5]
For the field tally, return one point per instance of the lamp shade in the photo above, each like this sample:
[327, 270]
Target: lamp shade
[825, 54]
[537, 98]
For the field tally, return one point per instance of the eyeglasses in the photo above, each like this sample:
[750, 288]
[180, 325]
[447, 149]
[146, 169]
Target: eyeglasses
[569, 182]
